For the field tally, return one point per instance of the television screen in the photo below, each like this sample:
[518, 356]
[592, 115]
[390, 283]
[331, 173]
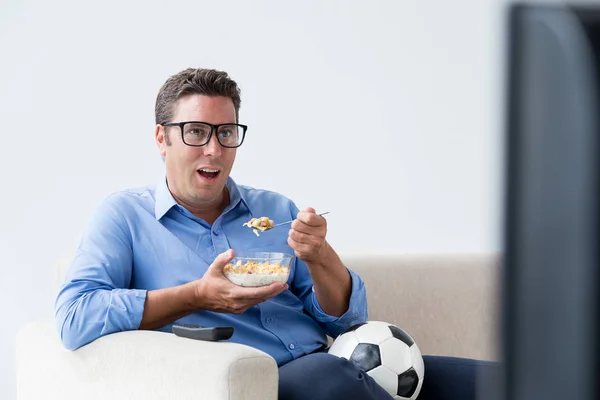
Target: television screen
[551, 272]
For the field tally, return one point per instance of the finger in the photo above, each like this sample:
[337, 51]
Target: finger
[310, 210]
[221, 261]
[259, 297]
[259, 293]
[319, 231]
[310, 218]
[275, 293]
[305, 238]
[256, 298]
[301, 248]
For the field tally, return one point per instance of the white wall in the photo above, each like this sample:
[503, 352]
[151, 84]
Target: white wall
[390, 110]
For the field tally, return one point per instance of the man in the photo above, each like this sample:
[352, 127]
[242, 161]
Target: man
[154, 256]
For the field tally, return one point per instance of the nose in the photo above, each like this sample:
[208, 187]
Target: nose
[212, 148]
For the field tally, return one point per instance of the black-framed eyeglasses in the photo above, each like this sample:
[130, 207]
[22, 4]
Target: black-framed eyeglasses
[198, 133]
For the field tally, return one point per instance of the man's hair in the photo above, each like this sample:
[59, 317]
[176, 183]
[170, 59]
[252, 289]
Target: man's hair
[208, 82]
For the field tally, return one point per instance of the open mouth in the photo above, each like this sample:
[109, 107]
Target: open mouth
[209, 174]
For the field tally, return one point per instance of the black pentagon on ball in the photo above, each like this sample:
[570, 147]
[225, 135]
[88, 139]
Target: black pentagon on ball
[407, 383]
[355, 327]
[401, 335]
[366, 356]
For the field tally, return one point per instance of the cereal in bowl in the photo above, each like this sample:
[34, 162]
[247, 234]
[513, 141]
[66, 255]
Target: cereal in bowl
[253, 273]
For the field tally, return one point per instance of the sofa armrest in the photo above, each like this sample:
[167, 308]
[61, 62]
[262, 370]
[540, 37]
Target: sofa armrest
[140, 365]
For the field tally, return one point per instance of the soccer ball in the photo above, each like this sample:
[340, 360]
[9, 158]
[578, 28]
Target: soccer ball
[387, 354]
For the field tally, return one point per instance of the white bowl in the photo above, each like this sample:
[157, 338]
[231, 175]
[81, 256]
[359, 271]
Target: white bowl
[259, 268]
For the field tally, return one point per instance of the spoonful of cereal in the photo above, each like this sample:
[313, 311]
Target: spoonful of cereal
[265, 223]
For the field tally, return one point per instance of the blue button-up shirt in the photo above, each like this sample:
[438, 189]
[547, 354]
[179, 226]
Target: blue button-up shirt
[140, 240]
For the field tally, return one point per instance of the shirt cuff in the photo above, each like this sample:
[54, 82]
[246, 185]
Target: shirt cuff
[356, 307]
[125, 311]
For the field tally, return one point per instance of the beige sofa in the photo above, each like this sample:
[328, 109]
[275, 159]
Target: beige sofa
[448, 303]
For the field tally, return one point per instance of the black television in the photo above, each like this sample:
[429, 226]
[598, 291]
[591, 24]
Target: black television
[551, 270]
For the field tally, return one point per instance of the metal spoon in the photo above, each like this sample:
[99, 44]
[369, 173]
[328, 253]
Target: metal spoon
[289, 222]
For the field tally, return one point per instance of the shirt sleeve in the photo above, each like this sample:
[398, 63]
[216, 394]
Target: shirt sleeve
[303, 287]
[94, 299]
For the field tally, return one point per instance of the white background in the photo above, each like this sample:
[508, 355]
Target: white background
[386, 113]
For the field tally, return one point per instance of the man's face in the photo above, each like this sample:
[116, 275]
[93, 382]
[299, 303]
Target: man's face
[187, 167]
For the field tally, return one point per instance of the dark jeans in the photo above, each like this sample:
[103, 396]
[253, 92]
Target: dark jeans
[320, 376]
[451, 378]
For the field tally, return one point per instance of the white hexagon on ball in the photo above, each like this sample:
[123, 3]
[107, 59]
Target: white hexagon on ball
[385, 378]
[396, 355]
[375, 333]
[344, 348]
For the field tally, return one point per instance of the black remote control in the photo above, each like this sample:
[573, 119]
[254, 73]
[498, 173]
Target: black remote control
[197, 332]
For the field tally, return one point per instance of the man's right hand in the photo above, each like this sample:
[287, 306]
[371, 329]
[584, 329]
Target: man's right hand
[214, 292]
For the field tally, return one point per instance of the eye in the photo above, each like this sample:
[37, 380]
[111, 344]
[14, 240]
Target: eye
[196, 130]
[225, 133]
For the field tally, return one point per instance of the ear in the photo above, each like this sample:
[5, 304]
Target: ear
[161, 139]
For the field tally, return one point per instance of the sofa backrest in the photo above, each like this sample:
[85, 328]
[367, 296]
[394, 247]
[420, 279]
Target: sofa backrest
[448, 303]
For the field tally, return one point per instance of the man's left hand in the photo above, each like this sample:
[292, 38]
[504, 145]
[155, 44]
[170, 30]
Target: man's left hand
[307, 235]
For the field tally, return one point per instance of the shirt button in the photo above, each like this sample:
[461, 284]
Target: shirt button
[269, 320]
[292, 346]
[216, 232]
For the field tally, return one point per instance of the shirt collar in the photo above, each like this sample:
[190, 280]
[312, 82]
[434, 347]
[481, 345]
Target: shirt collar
[236, 195]
[164, 200]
